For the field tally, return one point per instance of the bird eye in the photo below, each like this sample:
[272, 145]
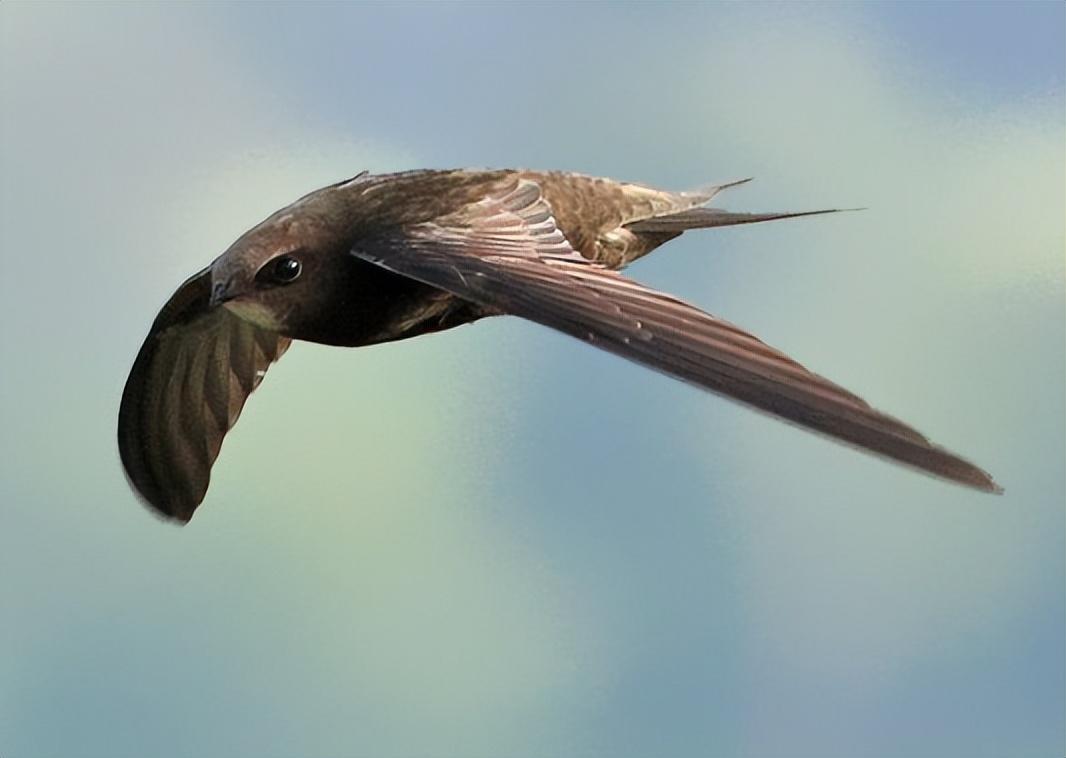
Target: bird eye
[284, 269]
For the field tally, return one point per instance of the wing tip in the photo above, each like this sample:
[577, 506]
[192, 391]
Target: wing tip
[958, 470]
[177, 514]
[147, 491]
[175, 519]
[987, 484]
[180, 514]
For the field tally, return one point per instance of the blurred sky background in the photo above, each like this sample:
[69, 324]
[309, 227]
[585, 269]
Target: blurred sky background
[496, 541]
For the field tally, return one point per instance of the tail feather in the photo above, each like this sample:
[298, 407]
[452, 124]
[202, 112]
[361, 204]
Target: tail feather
[704, 195]
[706, 218]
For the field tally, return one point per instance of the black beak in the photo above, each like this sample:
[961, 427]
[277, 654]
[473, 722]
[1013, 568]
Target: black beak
[220, 292]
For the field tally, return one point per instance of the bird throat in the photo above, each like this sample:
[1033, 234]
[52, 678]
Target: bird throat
[254, 312]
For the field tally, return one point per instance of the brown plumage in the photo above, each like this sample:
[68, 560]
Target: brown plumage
[381, 258]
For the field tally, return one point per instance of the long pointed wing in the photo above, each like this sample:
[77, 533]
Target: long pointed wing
[186, 389]
[507, 254]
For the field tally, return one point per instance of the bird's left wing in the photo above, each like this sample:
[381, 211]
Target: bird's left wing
[186, 389]
[506, 253]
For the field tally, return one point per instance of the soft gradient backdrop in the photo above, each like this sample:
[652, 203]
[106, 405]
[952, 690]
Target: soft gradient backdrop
[496, 541]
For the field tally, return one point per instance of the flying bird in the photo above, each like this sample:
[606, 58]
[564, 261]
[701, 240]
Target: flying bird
[385, 257]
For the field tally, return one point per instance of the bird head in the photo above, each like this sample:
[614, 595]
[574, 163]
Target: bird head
[280, 273]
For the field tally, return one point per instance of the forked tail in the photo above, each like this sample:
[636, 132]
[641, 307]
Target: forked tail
[699, 216]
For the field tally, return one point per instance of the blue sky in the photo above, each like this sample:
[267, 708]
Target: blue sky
[496, 541]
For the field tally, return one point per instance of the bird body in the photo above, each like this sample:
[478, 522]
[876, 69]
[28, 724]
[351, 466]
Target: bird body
[378, 258]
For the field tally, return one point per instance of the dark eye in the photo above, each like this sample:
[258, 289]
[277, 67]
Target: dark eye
[284, 269]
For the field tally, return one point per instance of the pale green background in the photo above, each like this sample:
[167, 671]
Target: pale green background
[498, 542]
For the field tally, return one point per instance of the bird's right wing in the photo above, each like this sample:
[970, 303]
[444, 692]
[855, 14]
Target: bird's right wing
[186, 389]
[507, 254]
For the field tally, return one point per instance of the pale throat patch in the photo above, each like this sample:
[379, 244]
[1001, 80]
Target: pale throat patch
[253, 312]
